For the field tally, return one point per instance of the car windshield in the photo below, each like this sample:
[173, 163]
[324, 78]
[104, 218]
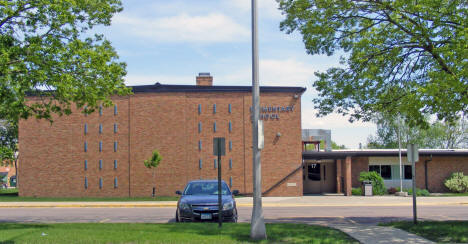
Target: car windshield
[206, 188]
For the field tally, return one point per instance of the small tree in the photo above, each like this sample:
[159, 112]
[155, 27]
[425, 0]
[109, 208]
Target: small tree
[153, 163]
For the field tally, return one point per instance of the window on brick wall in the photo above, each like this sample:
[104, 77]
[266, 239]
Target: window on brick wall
[115, 146]
[214, 127]
[229, 108]
[214, 108]
[100, 128]
[100, 146]
[86, 146]
[86, 182]
[86, 164]
[230, 163]
[230, 181]
[85, 129]
[115, 164]
[199, 109]
[199, 127]
[115, 109]
[199, 145]
[200, 164]
[215, 161]
[115, 182]
[230, 126]
[115, 128]
[230, 145]
[100, 164]
[100, 110]
[100, 183]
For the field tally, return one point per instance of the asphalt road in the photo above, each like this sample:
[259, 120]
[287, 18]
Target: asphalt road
[313, 215]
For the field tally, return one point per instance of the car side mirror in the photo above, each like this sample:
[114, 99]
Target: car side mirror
[235, 192]
[178, 193]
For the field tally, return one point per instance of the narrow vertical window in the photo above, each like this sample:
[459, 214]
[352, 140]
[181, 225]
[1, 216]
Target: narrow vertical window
[100, 183]
[115, 128]
[199, 145]
[115, 164]
[230, 126]
[115, 109]
[85, 129]
[230, 145]
[115, 146]
[230, 163]
[100, 128]
[214, 108]
[86, 146]
[199, 108]
[214, 127]
[199, 127]
[230, 181]
[115, 182]
[85, 182]
[100, 146]
[229, 108]
[86, 164]
[100, 110]
[84, 110]
[215, 161]
[200, 163]
[100, 163]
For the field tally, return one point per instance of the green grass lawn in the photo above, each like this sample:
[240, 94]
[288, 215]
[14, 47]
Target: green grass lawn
[465, 194]
[438, 231]
[165, 233]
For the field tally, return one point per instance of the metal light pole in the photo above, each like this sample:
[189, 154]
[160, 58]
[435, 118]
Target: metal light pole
[257, 229]
[399, 154]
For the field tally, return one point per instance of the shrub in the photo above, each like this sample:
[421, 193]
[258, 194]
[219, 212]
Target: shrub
[419, 192]
[392, 190]
[457, 182]
[378, 187]
[356, 191]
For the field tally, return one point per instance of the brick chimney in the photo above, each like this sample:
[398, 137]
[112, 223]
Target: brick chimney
[204, 79]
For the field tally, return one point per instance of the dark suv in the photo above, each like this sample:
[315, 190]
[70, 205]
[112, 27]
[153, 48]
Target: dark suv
[199, 202]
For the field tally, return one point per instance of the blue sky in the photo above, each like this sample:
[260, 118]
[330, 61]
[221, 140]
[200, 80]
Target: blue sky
[172, 41]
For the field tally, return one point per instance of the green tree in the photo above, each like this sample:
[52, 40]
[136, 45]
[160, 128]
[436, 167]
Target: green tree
[401, 55]
[46, 48]
[441, 135]
[153, 163]
[8, 142]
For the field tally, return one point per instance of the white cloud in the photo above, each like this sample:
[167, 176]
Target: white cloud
[266, 8]
[133, 80]
[275, 72]
[212, 27]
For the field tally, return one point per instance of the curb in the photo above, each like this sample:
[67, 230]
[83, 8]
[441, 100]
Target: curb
[167, 205]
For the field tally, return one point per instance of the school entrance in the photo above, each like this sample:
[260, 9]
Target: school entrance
[319, 176]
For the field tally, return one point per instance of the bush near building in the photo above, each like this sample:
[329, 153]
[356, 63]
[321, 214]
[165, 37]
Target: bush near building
[457, 182]
[378, 187]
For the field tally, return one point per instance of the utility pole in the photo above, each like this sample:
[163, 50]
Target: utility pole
[257, 228]
[399, 154]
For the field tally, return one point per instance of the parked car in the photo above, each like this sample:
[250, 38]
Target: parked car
[199, 202]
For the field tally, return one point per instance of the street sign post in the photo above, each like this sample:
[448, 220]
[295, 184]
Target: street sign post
[219, 148]
[412, 155]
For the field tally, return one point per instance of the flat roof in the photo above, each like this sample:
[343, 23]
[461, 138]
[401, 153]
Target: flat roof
[340, 154]
[194, 88]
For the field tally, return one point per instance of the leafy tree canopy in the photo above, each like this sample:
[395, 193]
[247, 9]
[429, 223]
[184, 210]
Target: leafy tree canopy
[440, 135]
[399, 55]
[8, 142]
[46, 45]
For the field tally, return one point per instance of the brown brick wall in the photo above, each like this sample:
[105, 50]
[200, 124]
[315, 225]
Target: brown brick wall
[53, 154]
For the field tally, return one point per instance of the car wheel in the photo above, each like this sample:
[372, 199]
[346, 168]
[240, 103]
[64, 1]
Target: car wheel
[234, 218]
[177, 217]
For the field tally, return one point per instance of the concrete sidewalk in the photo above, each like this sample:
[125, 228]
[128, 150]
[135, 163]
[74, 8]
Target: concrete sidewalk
[305, 201]
[371, 234]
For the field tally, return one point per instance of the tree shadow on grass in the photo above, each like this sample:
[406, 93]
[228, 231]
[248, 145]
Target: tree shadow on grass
[277, 233]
